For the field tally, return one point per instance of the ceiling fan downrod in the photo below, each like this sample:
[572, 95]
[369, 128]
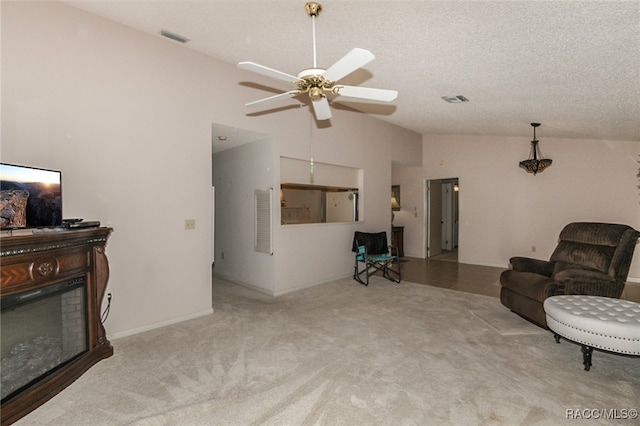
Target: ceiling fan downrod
[313, 10]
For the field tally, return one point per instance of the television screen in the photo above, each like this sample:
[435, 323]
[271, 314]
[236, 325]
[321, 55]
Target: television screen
[29, 197]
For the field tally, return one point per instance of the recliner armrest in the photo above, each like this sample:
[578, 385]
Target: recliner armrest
[536, 266]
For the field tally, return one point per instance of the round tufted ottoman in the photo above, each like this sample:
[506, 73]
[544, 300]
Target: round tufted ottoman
[595, 322]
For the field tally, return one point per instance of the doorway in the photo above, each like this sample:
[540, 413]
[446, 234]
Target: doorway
[441, 219]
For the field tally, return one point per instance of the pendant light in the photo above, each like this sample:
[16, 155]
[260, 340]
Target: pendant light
[536, 162]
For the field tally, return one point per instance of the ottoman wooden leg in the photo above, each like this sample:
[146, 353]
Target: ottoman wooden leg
[557, 337]
[586, 356]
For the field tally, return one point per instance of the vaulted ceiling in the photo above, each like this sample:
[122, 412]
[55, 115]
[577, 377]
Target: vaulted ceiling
[573, 66]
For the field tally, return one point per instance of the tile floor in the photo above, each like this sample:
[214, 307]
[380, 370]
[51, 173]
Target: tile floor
[453, 275]
[448, 273]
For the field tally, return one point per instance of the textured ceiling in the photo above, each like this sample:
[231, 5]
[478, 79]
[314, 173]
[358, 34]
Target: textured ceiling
[574, 66]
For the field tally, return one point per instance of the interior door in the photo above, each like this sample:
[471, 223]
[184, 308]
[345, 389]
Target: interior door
[447, 216]
[434, 218]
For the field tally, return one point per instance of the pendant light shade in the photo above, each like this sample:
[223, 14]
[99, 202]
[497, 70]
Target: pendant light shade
[536, 163]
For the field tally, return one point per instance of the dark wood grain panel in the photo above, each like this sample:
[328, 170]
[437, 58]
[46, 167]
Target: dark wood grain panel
[39, 260]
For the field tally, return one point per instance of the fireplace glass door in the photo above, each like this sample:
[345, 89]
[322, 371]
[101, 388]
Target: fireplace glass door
[42, 329]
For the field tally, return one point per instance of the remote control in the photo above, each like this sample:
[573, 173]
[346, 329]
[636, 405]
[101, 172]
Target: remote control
[72, 220]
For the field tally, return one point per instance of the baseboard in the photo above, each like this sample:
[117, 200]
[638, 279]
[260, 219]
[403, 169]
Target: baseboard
[160, 324]
[491, 265]
[280, 292]
[311, 284]
[635, 280]
[261, 290]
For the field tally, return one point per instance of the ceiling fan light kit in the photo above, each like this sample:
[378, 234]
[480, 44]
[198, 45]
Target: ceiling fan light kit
[317, 82]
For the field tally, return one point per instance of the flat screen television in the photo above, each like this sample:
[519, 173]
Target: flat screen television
[30, 197]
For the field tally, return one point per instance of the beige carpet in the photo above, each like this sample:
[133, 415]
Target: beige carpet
[343, 354]
[505, 322]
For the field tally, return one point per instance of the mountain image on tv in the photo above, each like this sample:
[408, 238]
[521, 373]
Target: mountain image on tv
[26, 202]
[13, 208]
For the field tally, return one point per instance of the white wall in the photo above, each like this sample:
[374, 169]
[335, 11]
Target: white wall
[306, 255]
[310, 254]
[237, 174]
[116, 112]
[127, 117]
[504, 210]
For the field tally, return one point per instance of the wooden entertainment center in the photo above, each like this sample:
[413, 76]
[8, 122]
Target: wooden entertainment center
[46, 258]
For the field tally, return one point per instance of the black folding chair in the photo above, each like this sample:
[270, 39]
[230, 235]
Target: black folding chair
[373, 252]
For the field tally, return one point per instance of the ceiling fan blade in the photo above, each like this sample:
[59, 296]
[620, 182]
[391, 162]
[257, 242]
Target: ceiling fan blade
[273, 99]
[368, 93]
[266, 71]
[350, 62]
[322, 109]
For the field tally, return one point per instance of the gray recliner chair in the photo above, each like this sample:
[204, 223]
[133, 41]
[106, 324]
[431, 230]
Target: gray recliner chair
[590, 259]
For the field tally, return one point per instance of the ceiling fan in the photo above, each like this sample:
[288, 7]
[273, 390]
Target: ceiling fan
[320, 82]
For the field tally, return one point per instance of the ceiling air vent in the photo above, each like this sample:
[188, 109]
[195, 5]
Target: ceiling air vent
[455, 99]
[173, 36]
